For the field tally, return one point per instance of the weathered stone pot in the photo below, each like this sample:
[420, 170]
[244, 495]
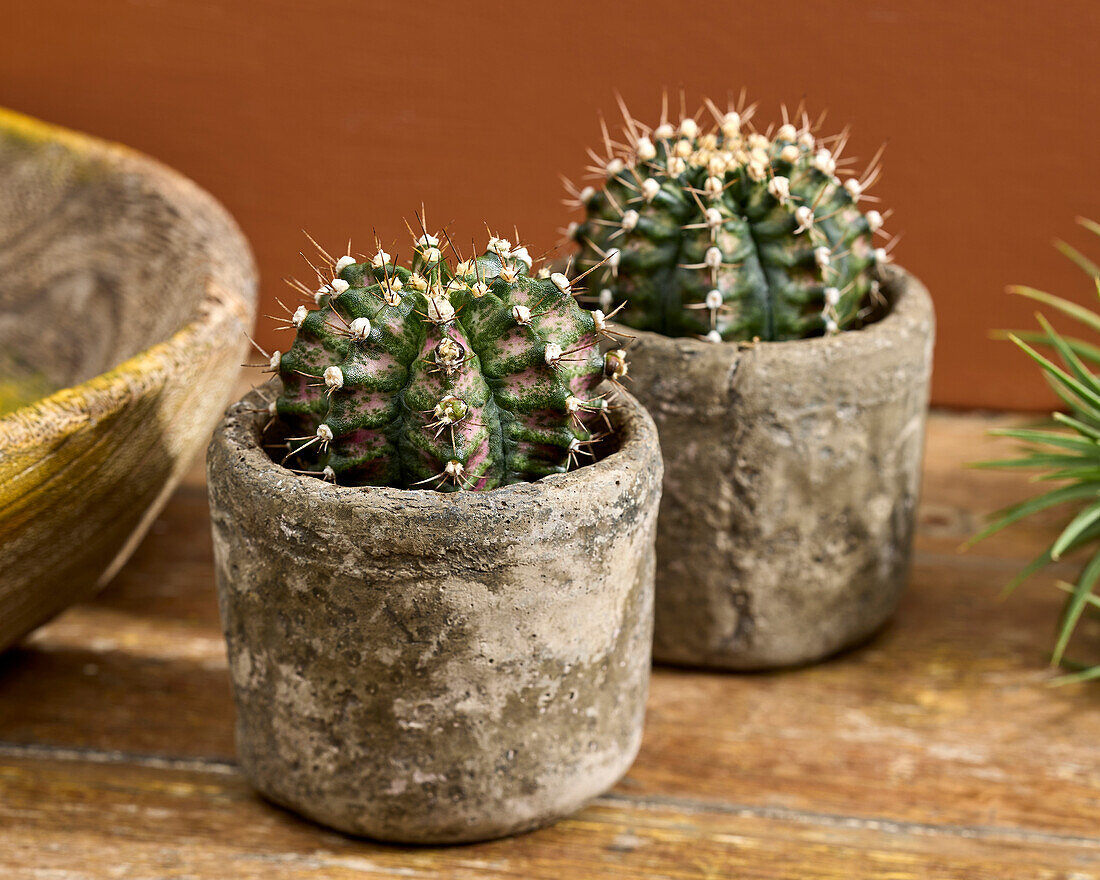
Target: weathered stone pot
[792, 471]
[436, 668]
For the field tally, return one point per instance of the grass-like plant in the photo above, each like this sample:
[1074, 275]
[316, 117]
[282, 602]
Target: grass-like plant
[1067, 453]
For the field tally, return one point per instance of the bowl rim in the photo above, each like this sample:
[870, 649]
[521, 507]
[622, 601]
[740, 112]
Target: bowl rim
[41, 423]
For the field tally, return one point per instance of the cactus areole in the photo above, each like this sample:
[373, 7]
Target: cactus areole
[438, 377]
[729, 234]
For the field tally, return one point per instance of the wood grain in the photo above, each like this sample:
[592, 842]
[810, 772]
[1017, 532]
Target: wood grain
[156, 819]
[937, 750]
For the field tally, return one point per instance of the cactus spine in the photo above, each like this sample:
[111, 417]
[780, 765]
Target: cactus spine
[431, 377]
[729, 234]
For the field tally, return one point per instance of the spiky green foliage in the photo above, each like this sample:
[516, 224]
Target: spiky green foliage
[427, 376]
[1068, 453]
[729, 234]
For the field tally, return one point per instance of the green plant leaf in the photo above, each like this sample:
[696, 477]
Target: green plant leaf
[1091, 598]
[1049, 438]
[1075, 605]
[1077, 257]
[1016, 512]
[1077, 425]
[1079, 370]
[1087, 517]
[1078, 312]
[1090, 225]
[1082, 472]
[1086, 395]
[1043, 560]
[1058, 456]
[1089, 674]
[1083, 349]
[1029, 462]
[1072, 403]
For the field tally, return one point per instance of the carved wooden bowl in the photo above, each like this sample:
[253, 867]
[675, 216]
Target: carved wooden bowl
[125, 293]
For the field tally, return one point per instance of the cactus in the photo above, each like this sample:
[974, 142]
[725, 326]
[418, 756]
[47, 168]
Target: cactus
[729, 234]
[431, 377]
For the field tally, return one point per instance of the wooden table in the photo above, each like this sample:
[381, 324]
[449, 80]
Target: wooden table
[938, 750]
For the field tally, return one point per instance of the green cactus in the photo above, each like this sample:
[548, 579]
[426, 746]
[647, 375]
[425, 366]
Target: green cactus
[428, 377]
[729, 234]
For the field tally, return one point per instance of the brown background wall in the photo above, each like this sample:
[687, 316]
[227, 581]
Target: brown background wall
[341, 117]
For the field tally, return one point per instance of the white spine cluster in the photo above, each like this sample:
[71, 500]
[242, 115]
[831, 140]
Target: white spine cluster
[334, 378]
[359, 329]
[787, 132]
[440, 310]
[780, 188]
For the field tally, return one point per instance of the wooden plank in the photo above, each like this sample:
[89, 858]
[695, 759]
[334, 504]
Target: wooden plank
[944, 725]
[913, 725]
[66, 818]
[957, 500]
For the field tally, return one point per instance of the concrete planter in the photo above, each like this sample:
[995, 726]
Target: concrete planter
[792, 472]
[431, 668]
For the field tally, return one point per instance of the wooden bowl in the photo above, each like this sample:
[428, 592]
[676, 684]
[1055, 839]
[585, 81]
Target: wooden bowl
[125, 294]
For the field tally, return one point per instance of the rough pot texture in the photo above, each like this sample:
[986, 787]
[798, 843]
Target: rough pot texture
[430, 668]
[792, 471]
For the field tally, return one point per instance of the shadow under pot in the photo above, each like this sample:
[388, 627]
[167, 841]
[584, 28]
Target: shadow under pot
[423, 667]
[792, 472]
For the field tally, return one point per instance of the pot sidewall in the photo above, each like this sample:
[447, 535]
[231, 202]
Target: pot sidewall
[792, 474]
[428, 668]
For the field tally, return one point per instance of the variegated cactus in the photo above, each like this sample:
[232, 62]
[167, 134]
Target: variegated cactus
[429, 376]
[730, 233]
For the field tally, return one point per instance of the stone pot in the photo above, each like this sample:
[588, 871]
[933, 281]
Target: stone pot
[792, 471]
[436, 668]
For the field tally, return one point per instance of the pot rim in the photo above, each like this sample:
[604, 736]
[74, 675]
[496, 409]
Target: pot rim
[240, 429]
[909, 304]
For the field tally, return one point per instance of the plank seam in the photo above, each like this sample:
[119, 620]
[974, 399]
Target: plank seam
[651, 802]
[837, 820]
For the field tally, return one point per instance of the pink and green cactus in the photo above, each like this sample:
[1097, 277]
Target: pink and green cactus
[429, 376]
[730, 233]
